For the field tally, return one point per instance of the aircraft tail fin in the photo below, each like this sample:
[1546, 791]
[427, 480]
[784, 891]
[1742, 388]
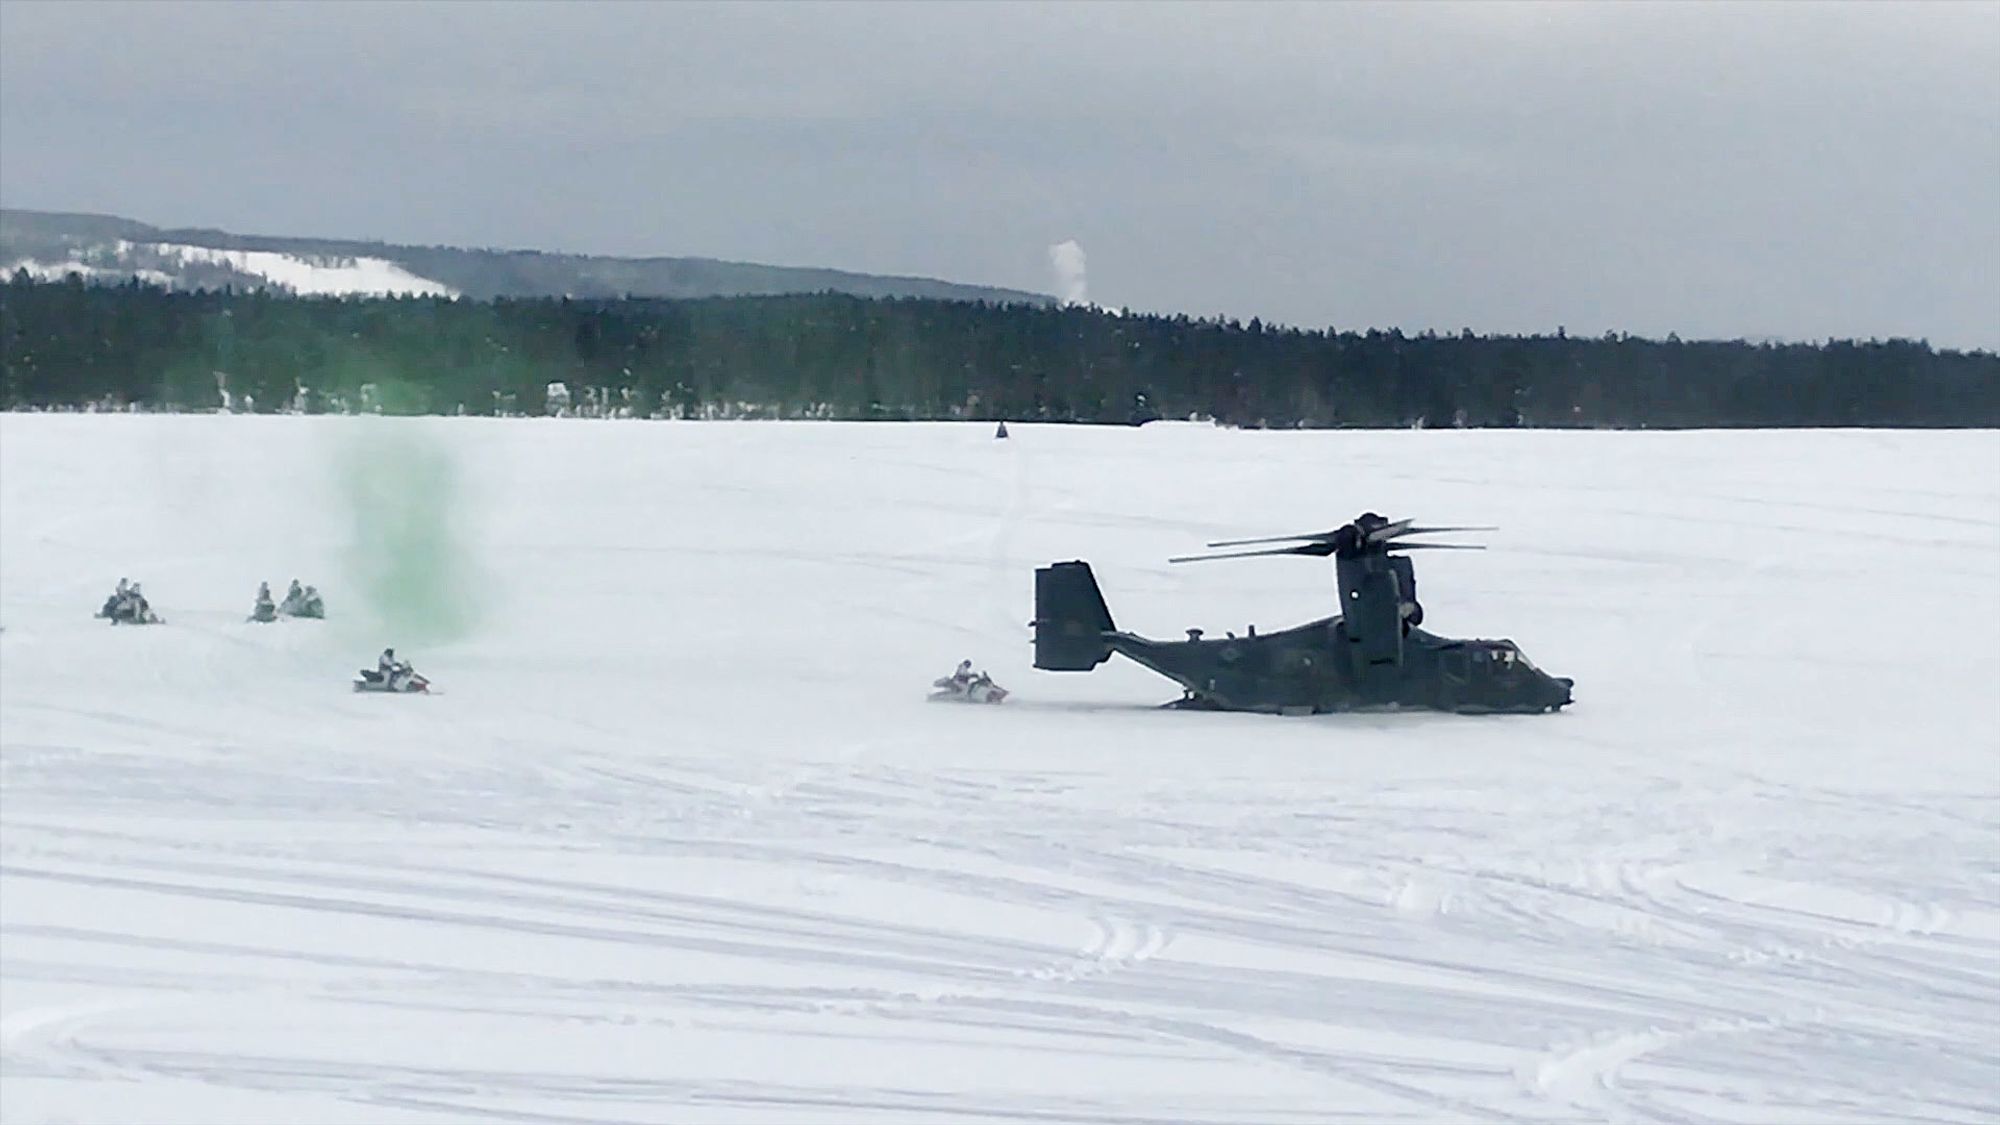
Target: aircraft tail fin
[1071, 619]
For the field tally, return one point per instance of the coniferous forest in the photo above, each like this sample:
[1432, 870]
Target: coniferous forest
[67, 344]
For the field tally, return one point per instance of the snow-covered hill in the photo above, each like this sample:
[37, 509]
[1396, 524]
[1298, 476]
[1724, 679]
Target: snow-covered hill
[682, 841]
[106, 248]
[175, 265]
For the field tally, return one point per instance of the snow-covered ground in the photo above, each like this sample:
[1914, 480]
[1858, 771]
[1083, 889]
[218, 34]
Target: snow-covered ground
[56, 271]
[160, 263]
[682, 842]
[377, 277]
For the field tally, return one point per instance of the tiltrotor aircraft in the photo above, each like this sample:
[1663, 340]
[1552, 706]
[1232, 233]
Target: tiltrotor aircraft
[1370, 656]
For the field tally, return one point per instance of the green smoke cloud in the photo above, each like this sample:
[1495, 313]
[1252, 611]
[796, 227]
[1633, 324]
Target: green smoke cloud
[411, 560]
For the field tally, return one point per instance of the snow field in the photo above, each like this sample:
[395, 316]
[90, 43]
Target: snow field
[309, 275]
[681, 840]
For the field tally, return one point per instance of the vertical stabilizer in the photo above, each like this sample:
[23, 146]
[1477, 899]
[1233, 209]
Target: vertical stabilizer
[1071, 619]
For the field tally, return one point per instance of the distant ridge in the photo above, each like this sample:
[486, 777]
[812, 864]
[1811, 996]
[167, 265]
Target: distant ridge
[111, 249]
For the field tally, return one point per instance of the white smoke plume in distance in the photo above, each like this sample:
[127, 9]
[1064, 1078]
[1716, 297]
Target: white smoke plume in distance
[1067, 259]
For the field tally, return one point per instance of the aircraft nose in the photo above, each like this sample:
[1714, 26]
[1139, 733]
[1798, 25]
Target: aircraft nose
[1561, 695]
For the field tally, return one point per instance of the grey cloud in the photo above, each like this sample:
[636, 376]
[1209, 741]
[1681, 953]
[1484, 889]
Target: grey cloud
[1784, 169]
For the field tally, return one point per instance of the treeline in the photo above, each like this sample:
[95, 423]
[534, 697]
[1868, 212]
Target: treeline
[66, 344]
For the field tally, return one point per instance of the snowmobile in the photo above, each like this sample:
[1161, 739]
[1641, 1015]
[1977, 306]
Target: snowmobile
[967, 689]
[403, 680]
[302, 603]
[129, 607]
[264, 611]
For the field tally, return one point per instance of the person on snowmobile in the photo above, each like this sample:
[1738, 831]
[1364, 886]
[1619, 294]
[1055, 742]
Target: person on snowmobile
[963, 676]
[295, 599]
[135, 606]
[310, 605]
[264, 609]
[395, 673]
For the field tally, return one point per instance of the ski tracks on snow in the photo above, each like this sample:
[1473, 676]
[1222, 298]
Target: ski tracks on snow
[1667, 982]
[572, 907]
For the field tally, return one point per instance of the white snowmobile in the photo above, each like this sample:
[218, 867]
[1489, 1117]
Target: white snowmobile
[400, 680]
[966, 686]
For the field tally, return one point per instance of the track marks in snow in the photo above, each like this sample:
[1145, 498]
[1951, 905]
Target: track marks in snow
[1209, 933]
[1587, 1075]
[45, 1037]
[613, 877]
[1119, 945]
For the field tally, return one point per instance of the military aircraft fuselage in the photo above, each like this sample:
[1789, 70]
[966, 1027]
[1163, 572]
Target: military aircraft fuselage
[1374, 655]
[1313, 668]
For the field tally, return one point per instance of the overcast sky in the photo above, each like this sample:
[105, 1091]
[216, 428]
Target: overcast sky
[1768, 169]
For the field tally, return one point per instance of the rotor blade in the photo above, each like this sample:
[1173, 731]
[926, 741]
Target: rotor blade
[1436, 547]
[1271, 539]
[1303, 549]
[1388, 531]
[1381, 534]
